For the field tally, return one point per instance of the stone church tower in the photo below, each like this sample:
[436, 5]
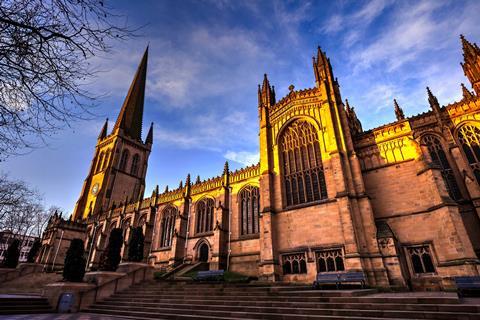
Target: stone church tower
[116, 178]
[119, 165]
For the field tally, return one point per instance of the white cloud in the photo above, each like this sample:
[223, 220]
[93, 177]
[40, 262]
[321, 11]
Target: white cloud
[355, 24]
[243, 157]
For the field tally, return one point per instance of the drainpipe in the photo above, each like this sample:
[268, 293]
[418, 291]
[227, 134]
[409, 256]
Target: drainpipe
[58, 248]
[154, 233]
[188, 231]
[91, 246]
[229, 226]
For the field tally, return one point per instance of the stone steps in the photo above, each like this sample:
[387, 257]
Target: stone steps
[287, 312]
[24, 305]
[223, 301]
[286, 298]
[322, 305]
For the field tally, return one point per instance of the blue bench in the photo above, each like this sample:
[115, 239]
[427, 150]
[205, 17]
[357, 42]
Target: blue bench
[211, 275]
[463, 284]
[353, 277]
[338, 278]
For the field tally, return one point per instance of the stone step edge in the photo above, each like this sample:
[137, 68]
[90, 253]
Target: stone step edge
[380, 299]
[373, 305]
[277, 309]
[149, 317]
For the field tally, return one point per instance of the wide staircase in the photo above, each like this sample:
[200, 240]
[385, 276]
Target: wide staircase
[23, 304]
[181, 300]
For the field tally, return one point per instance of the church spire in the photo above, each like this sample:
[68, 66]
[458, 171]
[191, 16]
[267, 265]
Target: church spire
[471, 63]
[103, 132]
[398, 111]
[130, 117]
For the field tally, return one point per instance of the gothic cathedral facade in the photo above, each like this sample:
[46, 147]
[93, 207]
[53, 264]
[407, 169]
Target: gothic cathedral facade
[400, 202]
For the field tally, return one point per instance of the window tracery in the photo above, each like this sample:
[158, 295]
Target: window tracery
[438, 156]
[168, 226]
[303, 176]
[249, 199]
[204, 221]
[469, 139]
[294, 263]
[421, 259]
[330, 260]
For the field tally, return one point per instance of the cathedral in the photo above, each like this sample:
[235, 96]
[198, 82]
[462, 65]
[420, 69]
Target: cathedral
[400, 202]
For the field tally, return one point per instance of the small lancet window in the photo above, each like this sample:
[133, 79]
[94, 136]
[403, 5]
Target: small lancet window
[421, 259]
[134, 168]
[100, 162]
[294, 263]
[330, 260]
[124, 160]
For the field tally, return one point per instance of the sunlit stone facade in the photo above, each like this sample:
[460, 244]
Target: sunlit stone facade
[399, 202]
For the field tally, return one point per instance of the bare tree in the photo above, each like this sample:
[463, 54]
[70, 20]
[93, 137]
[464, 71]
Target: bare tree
[16, 198]
[45, 49]
[21, 208]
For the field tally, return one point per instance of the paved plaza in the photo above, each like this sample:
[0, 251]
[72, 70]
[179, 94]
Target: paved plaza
[57, 316]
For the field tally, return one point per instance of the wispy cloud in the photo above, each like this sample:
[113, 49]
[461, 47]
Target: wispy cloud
[243, 157]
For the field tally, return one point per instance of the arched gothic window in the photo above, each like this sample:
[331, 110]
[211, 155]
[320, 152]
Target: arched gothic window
[421, 259]
[107, 158]
[100, 162]
[249, 199]
[439, 158]
[134, 168]
[469, 138]
[168, 226]
[303, 175]
[204, 222]
[124, 160]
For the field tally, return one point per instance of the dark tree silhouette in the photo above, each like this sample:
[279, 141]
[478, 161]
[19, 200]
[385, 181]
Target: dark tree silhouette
[12, 255]
[75, 262]
[32, 254]
[45, 47]
[135, 247]
[112, 255]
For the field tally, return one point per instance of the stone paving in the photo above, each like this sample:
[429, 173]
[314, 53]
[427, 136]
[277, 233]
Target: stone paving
[57, 316]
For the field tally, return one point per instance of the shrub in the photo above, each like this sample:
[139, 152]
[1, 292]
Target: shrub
[32, 254]
[112, 255]
[75, 262]
[13, 254]
[135, 247]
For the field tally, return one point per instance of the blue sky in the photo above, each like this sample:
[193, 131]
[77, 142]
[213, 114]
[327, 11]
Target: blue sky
[207, 57]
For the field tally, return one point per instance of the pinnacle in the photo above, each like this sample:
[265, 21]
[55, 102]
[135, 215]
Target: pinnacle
[398, 111]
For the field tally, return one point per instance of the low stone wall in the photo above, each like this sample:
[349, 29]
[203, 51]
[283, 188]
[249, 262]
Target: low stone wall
[99, 285]
[8, 274]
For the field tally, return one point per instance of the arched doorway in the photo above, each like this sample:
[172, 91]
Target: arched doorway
[203, 252]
